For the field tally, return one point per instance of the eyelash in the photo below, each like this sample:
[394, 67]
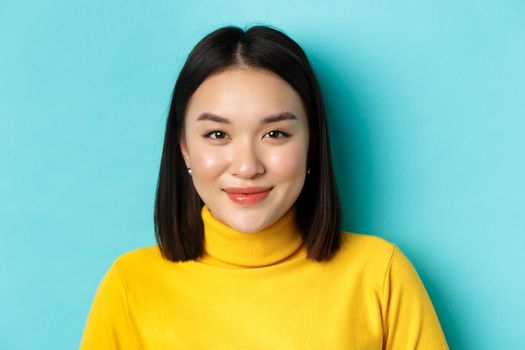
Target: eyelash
[216, 132]
[209, 135]
[284, 134]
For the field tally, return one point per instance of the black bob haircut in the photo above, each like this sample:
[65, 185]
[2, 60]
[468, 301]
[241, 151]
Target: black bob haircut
[179, 229]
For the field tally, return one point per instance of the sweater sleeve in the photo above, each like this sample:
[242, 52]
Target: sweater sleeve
[108, 325]
[409, 318]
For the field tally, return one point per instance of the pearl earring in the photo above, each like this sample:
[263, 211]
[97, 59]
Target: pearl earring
[308, 171]
[189, 171]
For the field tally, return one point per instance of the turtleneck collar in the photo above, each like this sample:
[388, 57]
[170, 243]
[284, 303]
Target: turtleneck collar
[225, 246]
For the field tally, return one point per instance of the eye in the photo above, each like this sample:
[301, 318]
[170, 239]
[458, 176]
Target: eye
[216, 134]
[277, 134]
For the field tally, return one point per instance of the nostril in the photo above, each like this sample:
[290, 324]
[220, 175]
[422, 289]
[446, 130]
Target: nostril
[246, 162]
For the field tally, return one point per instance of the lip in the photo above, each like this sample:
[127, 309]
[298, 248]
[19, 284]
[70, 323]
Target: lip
[247, 195]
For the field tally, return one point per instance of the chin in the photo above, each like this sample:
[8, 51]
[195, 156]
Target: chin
[248, 220]
[248, 223]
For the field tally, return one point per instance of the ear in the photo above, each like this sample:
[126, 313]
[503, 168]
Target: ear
[184, 150]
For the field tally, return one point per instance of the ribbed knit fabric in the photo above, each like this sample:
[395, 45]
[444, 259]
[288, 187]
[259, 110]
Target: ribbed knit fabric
[258, 291]
[227, 247]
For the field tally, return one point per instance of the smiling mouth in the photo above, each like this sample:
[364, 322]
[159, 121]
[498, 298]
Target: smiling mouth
[247, 195]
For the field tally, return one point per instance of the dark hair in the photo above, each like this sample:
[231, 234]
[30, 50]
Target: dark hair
[178, 224]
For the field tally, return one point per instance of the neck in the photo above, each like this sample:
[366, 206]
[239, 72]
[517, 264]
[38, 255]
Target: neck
[225, 246]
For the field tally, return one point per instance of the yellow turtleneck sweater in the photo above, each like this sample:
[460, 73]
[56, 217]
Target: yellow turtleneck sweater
[258, 291]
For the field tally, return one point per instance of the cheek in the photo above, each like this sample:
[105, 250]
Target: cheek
[206, 164]
[289, 162]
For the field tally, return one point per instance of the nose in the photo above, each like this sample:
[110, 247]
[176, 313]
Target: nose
[246, 162]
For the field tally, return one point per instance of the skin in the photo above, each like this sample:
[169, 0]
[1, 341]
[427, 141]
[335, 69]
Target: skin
[245, 149]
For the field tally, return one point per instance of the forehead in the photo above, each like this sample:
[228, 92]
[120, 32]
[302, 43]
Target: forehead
[245, 91]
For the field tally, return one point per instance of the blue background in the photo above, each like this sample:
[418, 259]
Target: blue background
[426, 103]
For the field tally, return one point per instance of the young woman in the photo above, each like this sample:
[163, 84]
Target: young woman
[250, 253]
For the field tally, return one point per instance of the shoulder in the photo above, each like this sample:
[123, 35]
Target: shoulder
[138, 262]
[366, 240]
[358, 246]
[377, 257]
[140, 255]
[365, 256]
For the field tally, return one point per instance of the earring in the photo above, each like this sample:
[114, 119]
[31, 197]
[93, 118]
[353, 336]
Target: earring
[308, 170]
[189, 171]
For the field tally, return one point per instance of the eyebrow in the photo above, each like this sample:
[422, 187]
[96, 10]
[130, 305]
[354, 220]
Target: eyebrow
[267, 120]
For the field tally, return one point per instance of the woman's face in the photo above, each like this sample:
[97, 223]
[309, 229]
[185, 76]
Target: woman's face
[246, 142]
